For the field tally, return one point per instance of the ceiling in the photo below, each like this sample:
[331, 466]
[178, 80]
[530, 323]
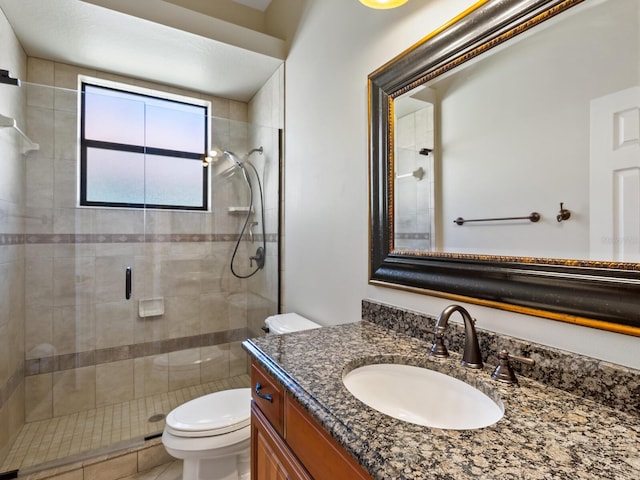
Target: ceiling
[153, 40]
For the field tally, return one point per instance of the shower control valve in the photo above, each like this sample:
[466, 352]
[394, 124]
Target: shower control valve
[259, 257]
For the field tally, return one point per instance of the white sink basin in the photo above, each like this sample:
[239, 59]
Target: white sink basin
[422, 396]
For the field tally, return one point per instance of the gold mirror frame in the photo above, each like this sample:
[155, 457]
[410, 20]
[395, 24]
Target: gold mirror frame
[599, 294]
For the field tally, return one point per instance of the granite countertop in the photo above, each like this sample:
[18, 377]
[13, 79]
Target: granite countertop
[546, 433]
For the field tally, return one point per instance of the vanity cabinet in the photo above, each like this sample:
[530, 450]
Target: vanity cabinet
[286, 443]
[271, 459]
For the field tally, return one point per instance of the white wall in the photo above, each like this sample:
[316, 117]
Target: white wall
[535, 146]
[326, 220]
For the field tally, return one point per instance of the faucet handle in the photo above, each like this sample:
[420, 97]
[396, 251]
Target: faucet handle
[438, 349]
[504, 371]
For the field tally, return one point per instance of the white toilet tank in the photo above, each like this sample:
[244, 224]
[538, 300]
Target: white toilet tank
[287, 323]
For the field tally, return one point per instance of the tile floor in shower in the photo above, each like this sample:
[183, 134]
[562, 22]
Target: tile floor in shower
[69, 437]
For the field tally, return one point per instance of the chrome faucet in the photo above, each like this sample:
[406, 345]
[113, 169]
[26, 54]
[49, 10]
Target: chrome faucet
[471, 357]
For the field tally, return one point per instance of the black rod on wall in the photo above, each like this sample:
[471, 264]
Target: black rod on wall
[533, 217]
[5, 77]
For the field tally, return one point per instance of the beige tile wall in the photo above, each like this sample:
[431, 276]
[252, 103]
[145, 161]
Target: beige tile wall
[267, 112]
[72, 301]
[74, 295]
[414, 199]
[12, 268]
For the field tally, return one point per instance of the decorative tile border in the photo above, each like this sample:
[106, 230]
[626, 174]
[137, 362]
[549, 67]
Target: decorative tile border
[412, 235]
[612, 385]
[70, 361]
[11, 239]
[11, 385]
[73, 238]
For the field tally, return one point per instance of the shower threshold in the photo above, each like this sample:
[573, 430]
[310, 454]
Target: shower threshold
[49, 443]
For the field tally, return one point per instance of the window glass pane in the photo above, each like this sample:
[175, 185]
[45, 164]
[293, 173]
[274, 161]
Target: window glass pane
[175, 126]
[115, 176]
[115, 122]
[173, 181]
[113, 116]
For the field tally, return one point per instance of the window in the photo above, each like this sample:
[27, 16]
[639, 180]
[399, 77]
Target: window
[140, 150]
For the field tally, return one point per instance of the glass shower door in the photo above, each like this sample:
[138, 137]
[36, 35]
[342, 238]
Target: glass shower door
[102, 370]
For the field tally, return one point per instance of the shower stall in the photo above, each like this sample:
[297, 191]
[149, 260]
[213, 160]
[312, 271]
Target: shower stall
[112, 316]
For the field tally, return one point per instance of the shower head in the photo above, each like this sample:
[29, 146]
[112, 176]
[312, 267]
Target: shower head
[233, 158]
[236, 165]
[237, 162]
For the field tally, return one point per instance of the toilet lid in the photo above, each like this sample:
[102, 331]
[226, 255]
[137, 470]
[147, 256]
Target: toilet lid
[289, 322]
[214, 414]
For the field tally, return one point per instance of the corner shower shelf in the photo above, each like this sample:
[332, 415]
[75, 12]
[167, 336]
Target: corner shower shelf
[239, 210]
[28, 145]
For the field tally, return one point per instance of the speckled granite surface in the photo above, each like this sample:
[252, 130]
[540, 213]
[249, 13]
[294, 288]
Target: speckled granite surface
[612, 385]
[546, 433]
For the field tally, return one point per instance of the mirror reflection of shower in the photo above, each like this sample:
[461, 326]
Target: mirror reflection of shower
[256, 261]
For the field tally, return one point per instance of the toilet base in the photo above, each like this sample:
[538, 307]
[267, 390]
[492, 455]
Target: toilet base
[224, 457]
[236, 467]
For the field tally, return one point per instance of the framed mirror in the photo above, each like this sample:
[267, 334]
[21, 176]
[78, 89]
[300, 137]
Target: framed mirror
[505, 161]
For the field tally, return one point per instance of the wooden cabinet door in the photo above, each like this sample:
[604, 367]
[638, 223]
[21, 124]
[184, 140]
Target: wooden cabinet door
[270, 457]
[321, 455]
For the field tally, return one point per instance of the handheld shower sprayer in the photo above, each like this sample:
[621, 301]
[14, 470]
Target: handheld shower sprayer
[233, 158]
[260, 254]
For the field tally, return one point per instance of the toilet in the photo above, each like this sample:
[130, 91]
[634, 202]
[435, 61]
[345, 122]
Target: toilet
[287, 323]
[212, 433]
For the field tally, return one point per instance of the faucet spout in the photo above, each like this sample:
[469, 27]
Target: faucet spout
[471, 356]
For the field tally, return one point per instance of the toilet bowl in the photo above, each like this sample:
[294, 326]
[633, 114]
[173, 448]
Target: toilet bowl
[211, 434]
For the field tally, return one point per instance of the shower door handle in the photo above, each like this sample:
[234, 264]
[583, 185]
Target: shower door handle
[127, 283]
